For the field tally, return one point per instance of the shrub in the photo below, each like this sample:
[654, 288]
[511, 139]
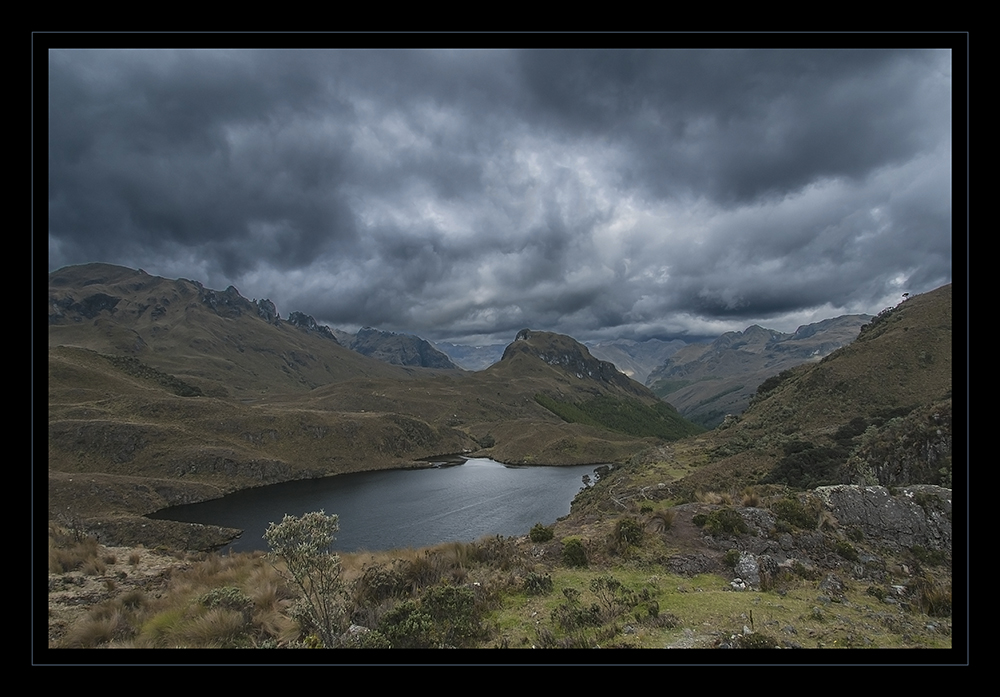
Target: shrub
[406, 626]
[378, 583]
[452, 609]
[538, 584]
[304, 545]
[754, 640]
[628, 531]
[793, 511]
[932, 557]
[573, 553]
[372, 639]
[725, 520]
[228, 597]
[876, 592]
[614, 596]
[846, 550]
[573, 615]
[541, 533]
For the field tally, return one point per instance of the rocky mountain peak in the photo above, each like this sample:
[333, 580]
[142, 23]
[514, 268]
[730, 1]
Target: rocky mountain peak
[308, 323]
[561, 351]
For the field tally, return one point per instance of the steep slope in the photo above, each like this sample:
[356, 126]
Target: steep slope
[804, 423]
[219, 341]
[707, 381]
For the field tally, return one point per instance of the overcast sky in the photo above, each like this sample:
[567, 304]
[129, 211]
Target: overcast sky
[463, 195]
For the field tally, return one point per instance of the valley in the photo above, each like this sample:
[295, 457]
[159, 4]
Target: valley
[163, 392]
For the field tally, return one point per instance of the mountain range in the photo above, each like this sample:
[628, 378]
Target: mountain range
[163, 391]
[708, 381]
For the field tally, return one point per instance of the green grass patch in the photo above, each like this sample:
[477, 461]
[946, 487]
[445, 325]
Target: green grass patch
[630, 417]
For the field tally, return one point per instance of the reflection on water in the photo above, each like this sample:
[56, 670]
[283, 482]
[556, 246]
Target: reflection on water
[456, 500]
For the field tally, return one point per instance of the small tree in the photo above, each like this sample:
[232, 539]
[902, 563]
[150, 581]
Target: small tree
[304, 545]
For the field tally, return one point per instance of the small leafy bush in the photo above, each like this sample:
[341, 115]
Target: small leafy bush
[794, 512]
[228, 597]
[614, 596]
[540, 533]
[726, 520]
[573, 552]
[754, 640]
[453, 611]
[931, 557]
[372, 639]
[407, 626]
[628, 532]
[846, 550]
[378, 583]
[538, 584]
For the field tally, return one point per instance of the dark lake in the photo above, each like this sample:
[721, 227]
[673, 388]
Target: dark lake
[456, 500]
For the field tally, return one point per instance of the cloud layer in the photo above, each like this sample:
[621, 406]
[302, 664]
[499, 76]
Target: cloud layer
[462, 195]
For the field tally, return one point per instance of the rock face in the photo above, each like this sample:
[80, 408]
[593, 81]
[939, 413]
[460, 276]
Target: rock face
[916, 515]
[886, 522]
[267, 311]
[228, 303]
[399, 349]
[308, 323]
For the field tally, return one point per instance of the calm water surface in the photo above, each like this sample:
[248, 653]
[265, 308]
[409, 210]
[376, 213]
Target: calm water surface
[402, 508]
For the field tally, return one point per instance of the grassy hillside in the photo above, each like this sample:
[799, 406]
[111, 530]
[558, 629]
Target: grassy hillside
[804, 425]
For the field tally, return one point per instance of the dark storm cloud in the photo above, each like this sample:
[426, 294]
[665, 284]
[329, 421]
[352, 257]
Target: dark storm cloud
[472, 193]
[735, 125]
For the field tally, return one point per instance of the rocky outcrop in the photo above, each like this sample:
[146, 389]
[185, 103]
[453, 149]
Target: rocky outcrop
[856, 529]
[233, 466]
[228, 303]
[90, 307]
[308, 323]
[267, 311]
[915, 515]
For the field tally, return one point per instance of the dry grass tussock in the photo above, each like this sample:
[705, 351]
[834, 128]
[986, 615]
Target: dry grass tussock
[220, 601]
[714, 497]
